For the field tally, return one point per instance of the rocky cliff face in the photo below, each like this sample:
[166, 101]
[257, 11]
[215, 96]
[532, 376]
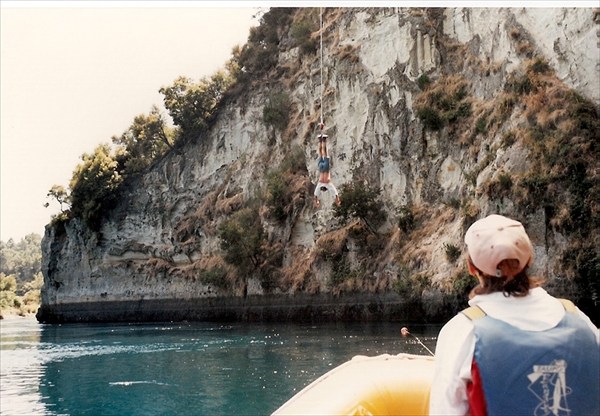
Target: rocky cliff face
[489, 75]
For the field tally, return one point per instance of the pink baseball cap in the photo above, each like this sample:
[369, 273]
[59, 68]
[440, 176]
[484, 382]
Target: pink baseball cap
[495, 238]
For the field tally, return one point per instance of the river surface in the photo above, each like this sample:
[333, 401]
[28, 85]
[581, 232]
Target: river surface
[178, 368]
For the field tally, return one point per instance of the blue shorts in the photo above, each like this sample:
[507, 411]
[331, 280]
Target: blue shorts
[323, 164]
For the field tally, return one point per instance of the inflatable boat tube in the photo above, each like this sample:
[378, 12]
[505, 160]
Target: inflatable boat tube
[381, 385]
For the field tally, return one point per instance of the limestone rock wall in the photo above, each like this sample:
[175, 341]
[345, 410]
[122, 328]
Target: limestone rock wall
[154, 245]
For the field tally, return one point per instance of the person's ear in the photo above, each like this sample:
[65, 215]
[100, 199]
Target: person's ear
[473, 271]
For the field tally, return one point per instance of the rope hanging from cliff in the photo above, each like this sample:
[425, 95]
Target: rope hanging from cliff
[321, 61]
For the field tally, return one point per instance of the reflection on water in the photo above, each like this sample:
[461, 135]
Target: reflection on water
[20, 368]
[178, 368]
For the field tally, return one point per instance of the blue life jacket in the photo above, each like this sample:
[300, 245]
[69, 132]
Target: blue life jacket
[550, 373]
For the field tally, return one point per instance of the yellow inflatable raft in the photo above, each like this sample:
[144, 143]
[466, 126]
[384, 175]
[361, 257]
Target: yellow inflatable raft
[381, 385]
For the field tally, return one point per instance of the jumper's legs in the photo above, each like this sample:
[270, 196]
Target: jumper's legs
[322, 145]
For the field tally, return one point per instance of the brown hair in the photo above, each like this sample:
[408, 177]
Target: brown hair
[512, 282]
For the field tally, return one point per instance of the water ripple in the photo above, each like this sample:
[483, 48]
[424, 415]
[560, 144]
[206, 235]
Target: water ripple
[132, 383]
[156, 369]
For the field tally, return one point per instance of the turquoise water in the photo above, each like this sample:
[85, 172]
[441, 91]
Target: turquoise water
[177, 368]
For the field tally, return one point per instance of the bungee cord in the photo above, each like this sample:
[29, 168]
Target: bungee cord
[324, 182]
[322, 125]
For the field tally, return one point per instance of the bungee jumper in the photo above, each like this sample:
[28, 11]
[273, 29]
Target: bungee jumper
[324, 183]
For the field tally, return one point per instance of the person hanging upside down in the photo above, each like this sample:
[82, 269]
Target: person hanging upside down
[324, 184]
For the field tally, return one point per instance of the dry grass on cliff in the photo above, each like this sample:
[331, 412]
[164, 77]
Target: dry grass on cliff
[561, 127]
[188, 228]
[228, 205]
[158, 264]
[548, 105]
[349, 53]
[214, 263]
[298, 276]
[211, 270]
[445, 87]
[446, 103]
[298, 185]
[431, 226]
[332, 244]
[478, 123]
[207, 263]
[203, 217]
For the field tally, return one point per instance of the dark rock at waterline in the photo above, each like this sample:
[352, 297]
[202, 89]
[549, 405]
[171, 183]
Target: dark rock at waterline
[270, 308]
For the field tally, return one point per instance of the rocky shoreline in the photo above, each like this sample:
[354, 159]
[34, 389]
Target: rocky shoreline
[271, 308]
[15, 313]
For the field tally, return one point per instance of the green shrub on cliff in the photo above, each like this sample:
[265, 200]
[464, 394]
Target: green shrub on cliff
[192, 105]
[431, 118]
[285, 184]
[146, 139]
[278, 195]
[242, 237]
[93, 186]
[411, 286]
[361, 202]
[245, 246]
[259, 54]
[302, 30]
[215, 276]
[457, 295]
[406, 219]
[95, 181]
[276, 111]
[443, 102]
[452, 252]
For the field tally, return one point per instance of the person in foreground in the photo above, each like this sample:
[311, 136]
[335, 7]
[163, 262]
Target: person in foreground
[324, 184]
[516, 350]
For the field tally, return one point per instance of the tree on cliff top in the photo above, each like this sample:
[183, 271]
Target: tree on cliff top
[93, 186]
[143, 142]
[259, 54]
[193, 105]
[95, 181]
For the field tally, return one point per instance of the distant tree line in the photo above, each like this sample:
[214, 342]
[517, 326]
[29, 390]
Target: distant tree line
[20, 274]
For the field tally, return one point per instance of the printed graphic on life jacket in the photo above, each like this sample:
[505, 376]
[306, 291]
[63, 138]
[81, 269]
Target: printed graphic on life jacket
[548, 383]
